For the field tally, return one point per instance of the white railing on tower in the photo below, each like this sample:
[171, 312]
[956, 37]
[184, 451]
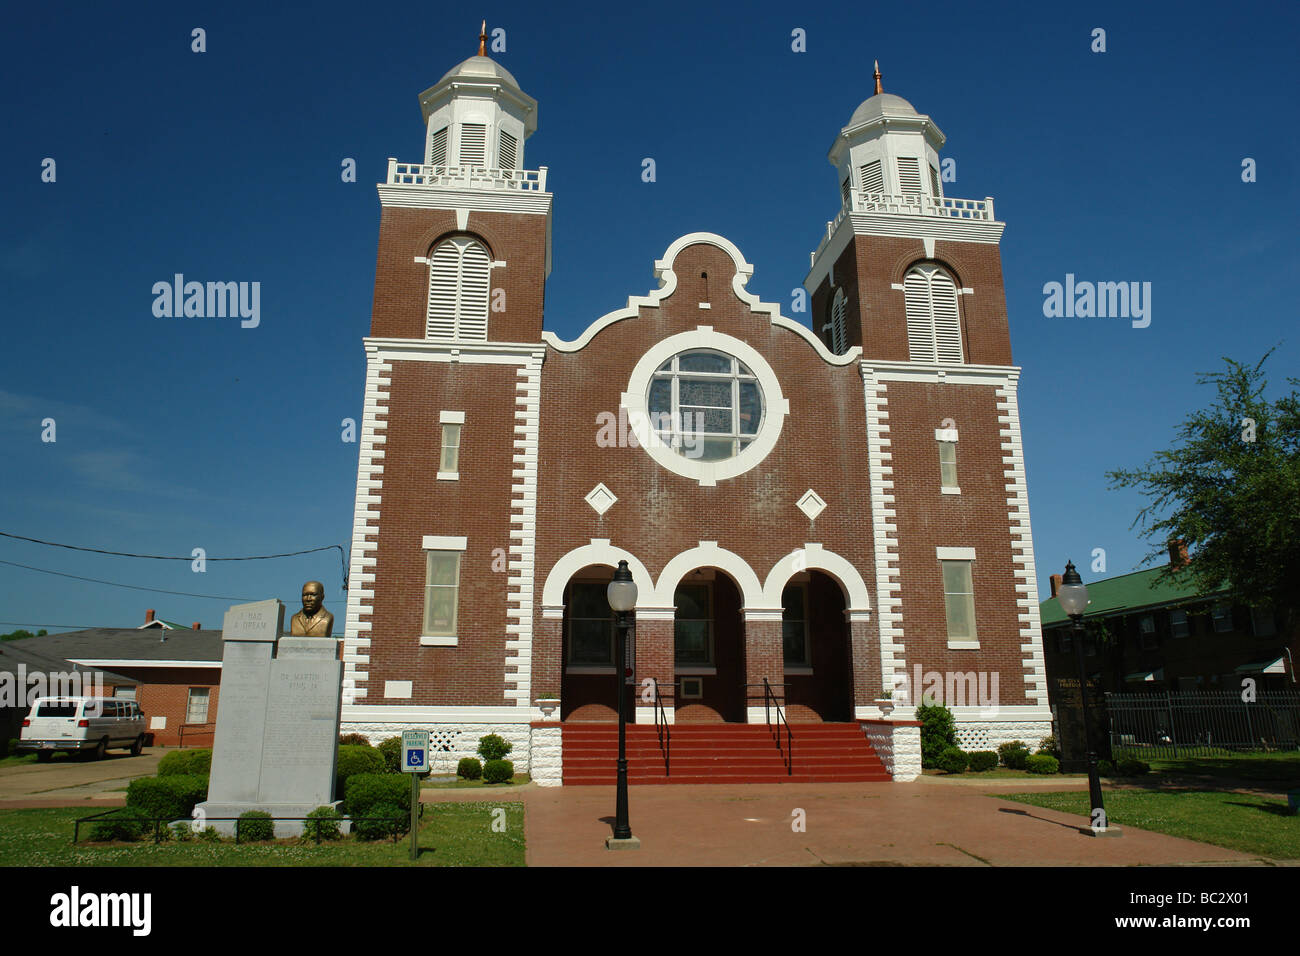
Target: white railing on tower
[910, 204]
[465, 177]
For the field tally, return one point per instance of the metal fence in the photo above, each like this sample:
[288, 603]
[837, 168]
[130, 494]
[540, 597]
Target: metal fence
[1202, 723]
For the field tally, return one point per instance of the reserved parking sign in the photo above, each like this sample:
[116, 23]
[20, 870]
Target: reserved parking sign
[415, 751]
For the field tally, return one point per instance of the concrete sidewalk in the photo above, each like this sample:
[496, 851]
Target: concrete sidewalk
[849, 824]
[67, 782]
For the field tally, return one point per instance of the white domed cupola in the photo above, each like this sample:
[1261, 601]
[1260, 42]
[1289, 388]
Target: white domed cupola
[888, 149]
[477, 116]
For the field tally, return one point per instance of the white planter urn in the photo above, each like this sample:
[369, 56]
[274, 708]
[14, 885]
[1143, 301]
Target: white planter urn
[548, 705]
[886, 706]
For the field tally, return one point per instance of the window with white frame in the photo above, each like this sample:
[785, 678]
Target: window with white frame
[450, 461]
[794, 625]
[693, 625]
[591, 624]
[1222, 616]
[959, 600]
[1178, 626]
[441, 593]
[705, 404]
[948, 465]
[459, 276]
[837, 334]
[196, 706]
[933, 323]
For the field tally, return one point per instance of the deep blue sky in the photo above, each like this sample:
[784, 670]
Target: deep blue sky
[183, 433]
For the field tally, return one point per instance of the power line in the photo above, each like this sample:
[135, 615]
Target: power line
[133, 587]
[188, 557]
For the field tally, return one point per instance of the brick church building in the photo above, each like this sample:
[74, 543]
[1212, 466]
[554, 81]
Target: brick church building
[813, 517]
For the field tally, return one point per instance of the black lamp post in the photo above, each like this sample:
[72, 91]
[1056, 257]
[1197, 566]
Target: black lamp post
[1073, 596]
[622, 598]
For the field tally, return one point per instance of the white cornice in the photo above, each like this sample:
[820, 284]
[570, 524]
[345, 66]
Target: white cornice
[884, 371]
[437, 350]
[905, 226]
[668, 284]
[525, 201]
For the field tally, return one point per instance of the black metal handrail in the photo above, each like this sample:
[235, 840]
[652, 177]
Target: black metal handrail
[200, 730]
[770, 701]
[662, 728]
[158, 821]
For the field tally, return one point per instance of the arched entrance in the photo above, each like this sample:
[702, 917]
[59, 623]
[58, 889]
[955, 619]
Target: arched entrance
[817, 649]
[708, 648]
[587, 650]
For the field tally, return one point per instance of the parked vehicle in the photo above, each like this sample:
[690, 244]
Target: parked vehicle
[82, 724]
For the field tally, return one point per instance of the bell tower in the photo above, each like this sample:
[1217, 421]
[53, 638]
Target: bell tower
[913, 278]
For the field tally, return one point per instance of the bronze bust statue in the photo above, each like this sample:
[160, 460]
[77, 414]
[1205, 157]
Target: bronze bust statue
[313, 620]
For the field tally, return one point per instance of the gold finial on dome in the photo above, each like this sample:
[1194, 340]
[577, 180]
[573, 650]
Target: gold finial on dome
[879, 89]
[482, 39]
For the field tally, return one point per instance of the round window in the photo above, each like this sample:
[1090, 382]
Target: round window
[705, 405]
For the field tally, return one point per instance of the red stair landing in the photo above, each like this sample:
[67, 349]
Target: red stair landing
[720, 753]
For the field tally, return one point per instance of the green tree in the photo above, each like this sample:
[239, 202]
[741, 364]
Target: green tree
[20, 634]
[1230, 488]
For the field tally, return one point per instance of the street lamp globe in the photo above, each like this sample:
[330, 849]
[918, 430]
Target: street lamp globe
[1072, 593]
[622, 590]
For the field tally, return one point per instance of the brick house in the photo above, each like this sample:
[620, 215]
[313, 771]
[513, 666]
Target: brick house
[1167, 636]
[838, 511]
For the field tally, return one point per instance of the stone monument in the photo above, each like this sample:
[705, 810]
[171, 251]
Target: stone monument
[277, 720]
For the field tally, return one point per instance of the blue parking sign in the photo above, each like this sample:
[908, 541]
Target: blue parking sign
[415, 751]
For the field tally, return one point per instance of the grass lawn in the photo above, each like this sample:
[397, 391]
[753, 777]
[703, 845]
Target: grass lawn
[1283, 768]
[17, 760]
[1001, 773]
[451, 834]
[1244, 822]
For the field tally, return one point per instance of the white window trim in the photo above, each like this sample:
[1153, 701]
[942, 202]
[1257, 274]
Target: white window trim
[635, 401]
[955, 554]
[950, 491]
[451, 418]
[443, 542]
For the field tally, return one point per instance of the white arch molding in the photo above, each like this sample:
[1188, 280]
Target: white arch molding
[600, 551]
[814, 557]
[708, 554]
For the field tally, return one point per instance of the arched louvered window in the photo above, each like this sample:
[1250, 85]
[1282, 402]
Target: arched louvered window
[933, 326]
[837, 337]
[438, 148]
[473, 144]
[458, 290]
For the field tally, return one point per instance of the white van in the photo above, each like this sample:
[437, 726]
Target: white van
[82, 723]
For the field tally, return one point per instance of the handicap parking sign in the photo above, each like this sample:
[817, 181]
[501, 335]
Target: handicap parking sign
[415, 751]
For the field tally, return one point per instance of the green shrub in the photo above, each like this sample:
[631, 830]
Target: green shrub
[255, 826]
[1042, 763]
[494, 747]
[1105, 768]
[469, 768]
[391, 748]
[952, 760]
[210, 835]
[385, 821]
[1048, 745]
[367, 790]
[11, 748]
[982, 760]
[1013, 754]
[498, 771]
[323, 823]
[354, 760]
[195, 762]
[354, 740]
[1131, 767]
[182, 832]
[938, 732]
[172, 798]
[129, 823]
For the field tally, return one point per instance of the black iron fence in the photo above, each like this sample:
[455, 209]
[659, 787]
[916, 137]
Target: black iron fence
[1202, 723]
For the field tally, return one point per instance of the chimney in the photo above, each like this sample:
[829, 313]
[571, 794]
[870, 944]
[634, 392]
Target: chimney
[148, 616]
[1056, 583]
[194, 626]
[1178, 553]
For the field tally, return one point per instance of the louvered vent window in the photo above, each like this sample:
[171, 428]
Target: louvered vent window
[508, 147]
[933, 327]
[838, 337]
[934, 183]
[873, 177]
[438, 148]
[844, 190]
[458, 291]
[473, 144]
[909, 174]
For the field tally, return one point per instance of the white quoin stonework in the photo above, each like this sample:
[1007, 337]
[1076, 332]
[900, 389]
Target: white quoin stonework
[897, 745]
